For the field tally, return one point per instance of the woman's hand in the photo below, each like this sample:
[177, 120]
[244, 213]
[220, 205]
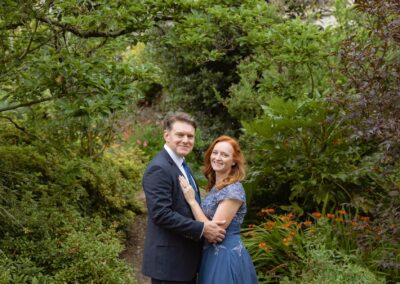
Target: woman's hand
[187, 190]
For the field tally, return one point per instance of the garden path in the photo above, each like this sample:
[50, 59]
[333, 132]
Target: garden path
[133, 252]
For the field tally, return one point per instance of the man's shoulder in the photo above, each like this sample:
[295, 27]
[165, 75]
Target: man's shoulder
[162, 158]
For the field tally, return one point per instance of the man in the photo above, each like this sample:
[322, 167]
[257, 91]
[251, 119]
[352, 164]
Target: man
[173, 244]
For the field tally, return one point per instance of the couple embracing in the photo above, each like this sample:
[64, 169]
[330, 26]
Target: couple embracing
[189, 240]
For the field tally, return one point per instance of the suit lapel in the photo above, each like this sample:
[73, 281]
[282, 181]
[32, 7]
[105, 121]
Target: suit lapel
[178, 172]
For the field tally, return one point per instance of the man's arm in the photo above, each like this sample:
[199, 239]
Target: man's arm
[158, 190]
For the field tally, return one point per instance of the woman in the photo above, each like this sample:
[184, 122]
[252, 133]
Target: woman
[228, 261]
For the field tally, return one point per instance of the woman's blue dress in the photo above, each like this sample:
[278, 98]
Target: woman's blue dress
[226, 262]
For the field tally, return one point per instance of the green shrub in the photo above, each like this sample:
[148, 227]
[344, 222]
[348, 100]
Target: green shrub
[85, 254]
[91, 256]
[299, 152]
[112, 182]
[323, 265]
[63, 217]
[20, 270]
[148, 138]
[200, 52]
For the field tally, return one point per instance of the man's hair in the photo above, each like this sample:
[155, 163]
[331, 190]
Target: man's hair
[172, 117]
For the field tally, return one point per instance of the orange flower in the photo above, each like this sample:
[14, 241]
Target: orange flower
[342, 212]
[286, 217]
[330, 215]
[264, 246]
[364, 218]
[316, 215]
[293, 233]
[340, 220]
[286, 225]
[287, 241]
[307, 223]
[268, 225]
[268, 210]
[354, 223]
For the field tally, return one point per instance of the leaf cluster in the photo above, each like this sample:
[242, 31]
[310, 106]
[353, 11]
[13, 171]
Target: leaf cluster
[370, 62]
[63, 216]
[300, 147]
[199, 54]
[63, 69]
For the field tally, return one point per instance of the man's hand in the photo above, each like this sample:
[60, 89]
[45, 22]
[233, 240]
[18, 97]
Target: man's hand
[213, 232]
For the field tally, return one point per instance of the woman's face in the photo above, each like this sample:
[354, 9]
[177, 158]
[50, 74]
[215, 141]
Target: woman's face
[222, 158]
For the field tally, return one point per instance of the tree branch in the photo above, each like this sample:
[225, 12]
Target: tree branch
[27, 50]
[13, 122]
[23, 129]
[84, 34]
[102, 43]
[14, 57]
[12, 26]
[29, 103]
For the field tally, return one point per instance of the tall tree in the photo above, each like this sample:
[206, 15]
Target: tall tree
[64, 60]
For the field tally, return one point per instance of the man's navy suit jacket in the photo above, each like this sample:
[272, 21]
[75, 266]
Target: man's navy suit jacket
[172, 249]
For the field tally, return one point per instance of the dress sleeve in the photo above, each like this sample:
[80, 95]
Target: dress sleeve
[232, 191]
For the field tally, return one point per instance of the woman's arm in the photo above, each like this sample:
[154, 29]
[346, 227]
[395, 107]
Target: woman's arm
[188, 192]
[226, 210]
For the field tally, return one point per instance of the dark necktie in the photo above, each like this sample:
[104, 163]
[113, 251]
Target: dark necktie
[191, 181]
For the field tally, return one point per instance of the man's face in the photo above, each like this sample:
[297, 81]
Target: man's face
[180, 138]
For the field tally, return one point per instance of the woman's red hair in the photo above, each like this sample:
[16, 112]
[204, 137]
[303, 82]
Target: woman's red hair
[237, 172]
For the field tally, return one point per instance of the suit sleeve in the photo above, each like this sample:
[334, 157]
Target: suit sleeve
[158, 189]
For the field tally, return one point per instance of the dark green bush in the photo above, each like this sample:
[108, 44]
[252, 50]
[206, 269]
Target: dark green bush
[298, 152]
[62, 218]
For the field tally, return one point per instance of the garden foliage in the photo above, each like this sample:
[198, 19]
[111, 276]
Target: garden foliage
[321, 249]
[63, 217]
[316, 111]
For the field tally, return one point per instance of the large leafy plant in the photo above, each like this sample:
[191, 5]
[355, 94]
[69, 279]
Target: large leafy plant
[298, 152]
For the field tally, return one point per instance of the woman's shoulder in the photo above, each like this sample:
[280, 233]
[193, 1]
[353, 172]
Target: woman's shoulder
[234, 186]
[233, 190]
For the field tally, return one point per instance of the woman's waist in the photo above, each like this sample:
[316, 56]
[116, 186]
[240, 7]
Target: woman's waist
[230, 240]
[233, 228]
[232, 234]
